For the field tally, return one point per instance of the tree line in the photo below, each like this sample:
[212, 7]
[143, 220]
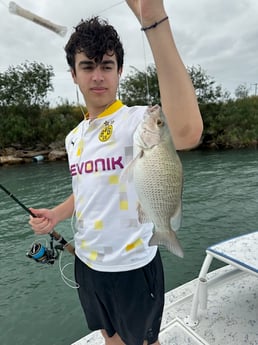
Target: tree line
[28, 121]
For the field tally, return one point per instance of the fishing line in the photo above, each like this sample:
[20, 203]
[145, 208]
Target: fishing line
[40, 239]
[108, 8]
[69, 282]
[78, 101]
[148, 96]
[58, 29]
[3, 4]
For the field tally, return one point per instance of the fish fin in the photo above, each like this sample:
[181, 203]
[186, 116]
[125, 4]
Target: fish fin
[167, 239]
[176, 220]
[142, 217]
[127, 173]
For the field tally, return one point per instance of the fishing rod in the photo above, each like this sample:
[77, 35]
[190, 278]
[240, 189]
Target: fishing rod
[38, 252]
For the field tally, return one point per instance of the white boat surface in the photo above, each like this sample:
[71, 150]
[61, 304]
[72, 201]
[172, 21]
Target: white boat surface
[216, 308]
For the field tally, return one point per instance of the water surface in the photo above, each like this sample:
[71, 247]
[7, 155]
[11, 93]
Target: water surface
[37, 307]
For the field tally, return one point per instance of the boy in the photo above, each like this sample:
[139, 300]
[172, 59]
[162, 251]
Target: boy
[120, 277]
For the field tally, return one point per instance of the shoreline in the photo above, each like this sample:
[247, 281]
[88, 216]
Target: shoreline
[14, 157]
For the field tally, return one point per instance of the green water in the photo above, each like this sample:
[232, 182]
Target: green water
[37, 307]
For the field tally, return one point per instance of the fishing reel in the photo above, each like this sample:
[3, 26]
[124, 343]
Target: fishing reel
[43, 254]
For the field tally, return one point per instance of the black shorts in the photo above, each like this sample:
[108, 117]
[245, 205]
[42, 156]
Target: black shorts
[128, 303]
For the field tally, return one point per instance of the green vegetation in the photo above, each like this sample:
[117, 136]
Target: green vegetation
[27, 120]
[228, 123]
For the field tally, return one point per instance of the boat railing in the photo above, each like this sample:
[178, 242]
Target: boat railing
[239, 252]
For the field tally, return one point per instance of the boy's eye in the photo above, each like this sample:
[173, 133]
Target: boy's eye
[87, 67]
[107, 67]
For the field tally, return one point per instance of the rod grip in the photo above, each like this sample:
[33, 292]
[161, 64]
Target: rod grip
[66, 245]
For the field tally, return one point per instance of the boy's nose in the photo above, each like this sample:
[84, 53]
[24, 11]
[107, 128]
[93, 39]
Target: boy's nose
[97, 74]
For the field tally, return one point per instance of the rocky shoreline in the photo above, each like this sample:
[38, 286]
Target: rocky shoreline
[56, 152]
[11, 156]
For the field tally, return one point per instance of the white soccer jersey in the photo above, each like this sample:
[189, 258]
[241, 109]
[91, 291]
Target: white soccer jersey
[108, 235]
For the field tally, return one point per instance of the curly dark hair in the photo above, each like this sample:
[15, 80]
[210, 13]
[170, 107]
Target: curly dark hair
[94, 37]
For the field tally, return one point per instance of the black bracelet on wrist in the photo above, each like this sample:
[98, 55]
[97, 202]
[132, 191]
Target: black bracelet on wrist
[144, 28]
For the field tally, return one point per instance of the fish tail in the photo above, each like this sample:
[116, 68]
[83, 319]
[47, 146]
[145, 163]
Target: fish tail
[169, 240]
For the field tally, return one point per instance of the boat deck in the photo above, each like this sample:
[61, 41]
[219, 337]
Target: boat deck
[231, 316]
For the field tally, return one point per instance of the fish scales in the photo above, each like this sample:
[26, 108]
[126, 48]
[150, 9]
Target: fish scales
[158, 179]
[161, 190]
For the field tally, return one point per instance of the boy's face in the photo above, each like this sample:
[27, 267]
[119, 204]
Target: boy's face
[97, 82]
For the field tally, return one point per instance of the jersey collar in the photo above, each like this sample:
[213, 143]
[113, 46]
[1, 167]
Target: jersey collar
[109, 110]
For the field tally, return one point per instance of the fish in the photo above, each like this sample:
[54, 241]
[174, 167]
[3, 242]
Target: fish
[157, 174]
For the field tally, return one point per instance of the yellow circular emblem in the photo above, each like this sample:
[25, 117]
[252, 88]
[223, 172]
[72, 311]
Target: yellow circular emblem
[106, 133]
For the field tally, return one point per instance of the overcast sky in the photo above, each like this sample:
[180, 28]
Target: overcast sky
[219, 35]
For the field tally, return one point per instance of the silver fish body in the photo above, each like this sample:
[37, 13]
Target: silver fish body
[158, 179]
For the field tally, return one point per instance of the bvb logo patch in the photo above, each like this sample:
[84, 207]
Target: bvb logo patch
[106, 132]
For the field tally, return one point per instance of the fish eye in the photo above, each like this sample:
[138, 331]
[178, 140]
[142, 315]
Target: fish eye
[160, 123]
